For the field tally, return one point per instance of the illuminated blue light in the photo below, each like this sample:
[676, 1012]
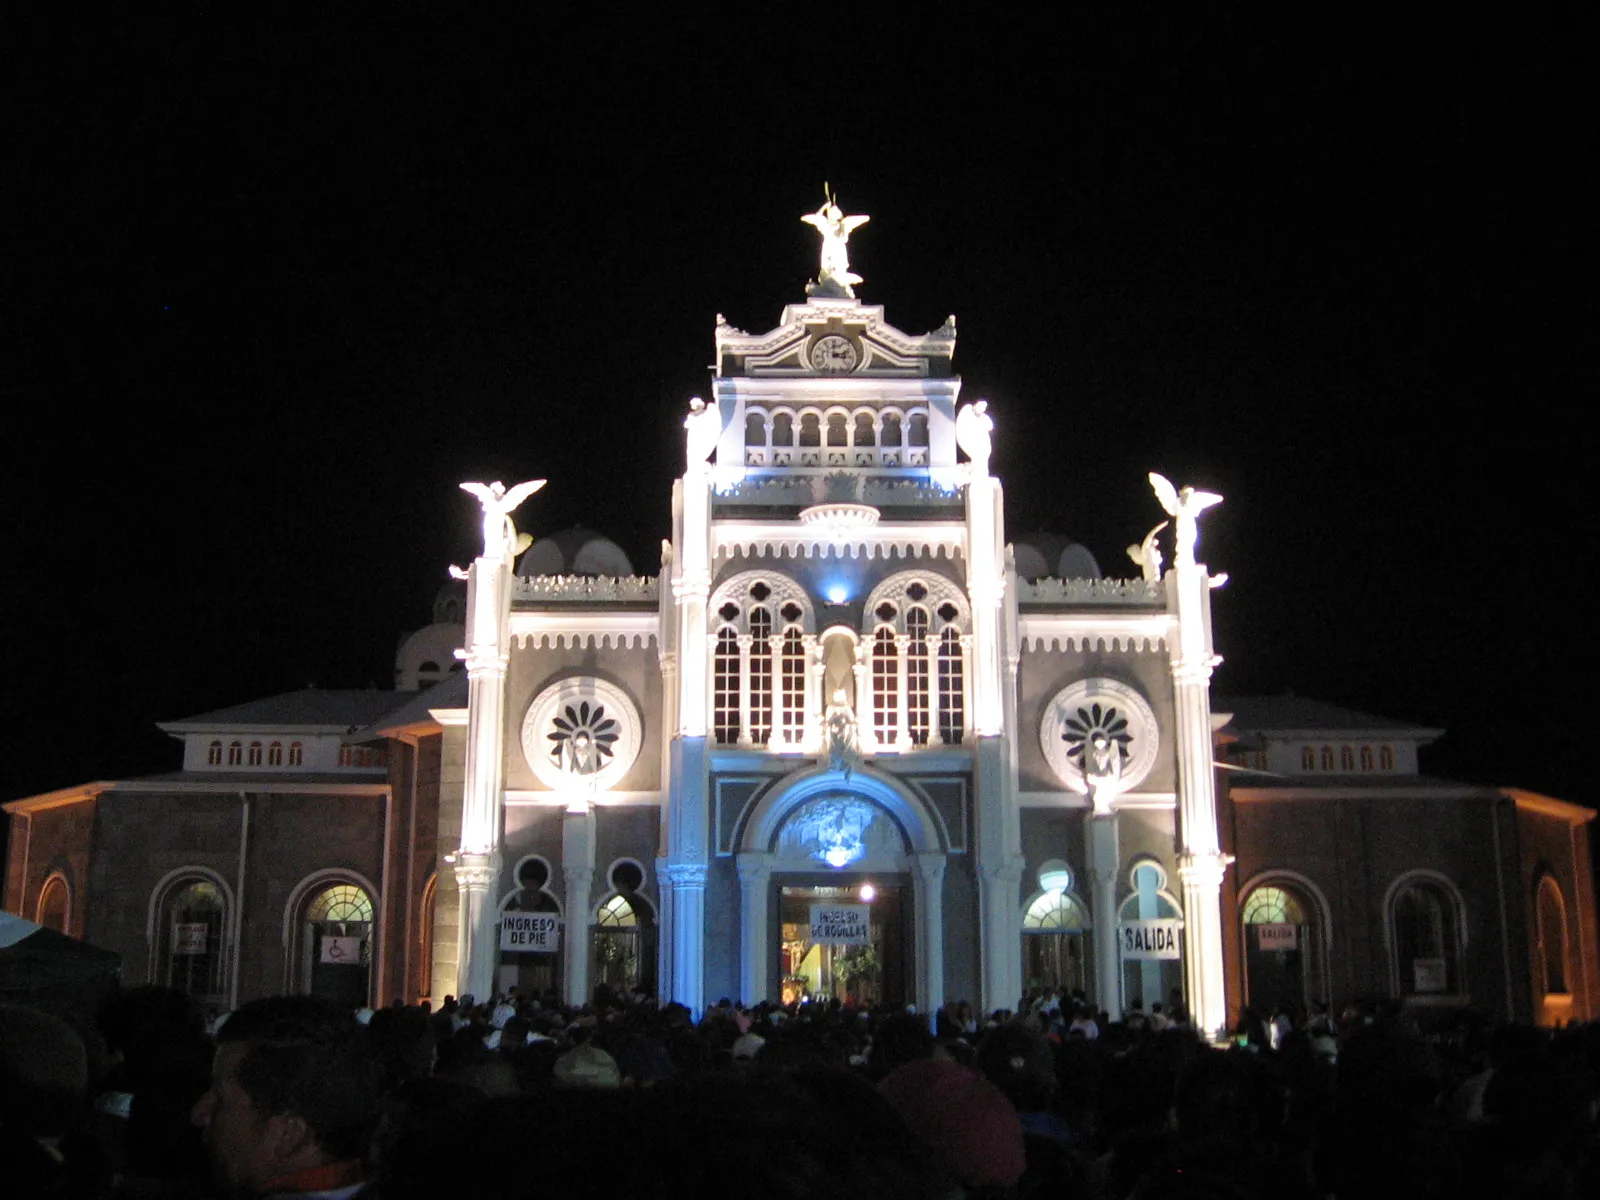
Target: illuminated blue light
[837, 593]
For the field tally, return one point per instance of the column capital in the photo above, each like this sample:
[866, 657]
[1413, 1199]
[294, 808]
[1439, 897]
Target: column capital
[745, 640]
[1006, 870]
[754, 868]
[687, 875]
[931, 865]
[577, 877]
[1203, 870]
[476, 872]
[1194, 671]
[484, 659]
[689, 585]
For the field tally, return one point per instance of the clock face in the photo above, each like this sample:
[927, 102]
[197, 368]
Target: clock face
[833, 353]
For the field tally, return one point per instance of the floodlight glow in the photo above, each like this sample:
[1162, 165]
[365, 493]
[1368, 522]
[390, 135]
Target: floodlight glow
[868, 893]
[837, 593]
[841, 855]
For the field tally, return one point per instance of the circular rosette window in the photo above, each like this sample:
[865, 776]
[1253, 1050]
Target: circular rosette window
[581, 731]
[1104, 714]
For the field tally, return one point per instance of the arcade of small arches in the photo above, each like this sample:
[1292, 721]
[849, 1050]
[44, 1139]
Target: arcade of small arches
[1312, 758]
[239, 754]
[835, 436]
[904, 677]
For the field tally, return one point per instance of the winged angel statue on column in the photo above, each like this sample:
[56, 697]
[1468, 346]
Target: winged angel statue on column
[834, 275]
[1185, 506]
[499, 534]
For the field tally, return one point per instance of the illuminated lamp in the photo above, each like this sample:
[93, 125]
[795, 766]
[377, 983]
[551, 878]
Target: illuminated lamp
[868, 893]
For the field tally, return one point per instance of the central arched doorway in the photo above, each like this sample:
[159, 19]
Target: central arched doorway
[842, 888]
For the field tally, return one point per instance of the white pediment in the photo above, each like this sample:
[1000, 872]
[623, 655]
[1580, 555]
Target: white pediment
[835, 338]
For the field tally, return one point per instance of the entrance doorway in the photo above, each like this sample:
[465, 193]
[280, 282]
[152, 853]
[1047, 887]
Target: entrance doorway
[1283, 965]
[824, 953]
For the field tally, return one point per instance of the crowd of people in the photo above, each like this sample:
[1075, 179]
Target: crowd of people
[521, 1096]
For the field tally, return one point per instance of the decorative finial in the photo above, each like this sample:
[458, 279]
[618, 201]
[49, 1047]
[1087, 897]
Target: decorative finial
[834, 277]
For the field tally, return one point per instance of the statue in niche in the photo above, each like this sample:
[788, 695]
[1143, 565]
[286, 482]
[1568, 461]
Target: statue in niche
[844, 743]
[1102, 771]
[834, 277]
[500, 536]
[1147, 555]
[704, 424]
[973, 427]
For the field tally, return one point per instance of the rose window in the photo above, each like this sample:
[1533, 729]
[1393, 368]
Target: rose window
[583, 738]
[1079, 730]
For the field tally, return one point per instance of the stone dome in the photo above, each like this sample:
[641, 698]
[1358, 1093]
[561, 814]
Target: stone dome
[576, 551]
[1041, 555]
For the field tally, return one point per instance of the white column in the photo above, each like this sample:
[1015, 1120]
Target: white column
[865, 733]
[755, 969]
[486, 655]
[577, 873]
[930, 931]
[1001, 943]
[745, 641]
[775, 737]
[966, 686]
[1201, 861]
[664, 928]
[1105, 861]
[902, 707]
[811, 737]
[930, 678]
[688, 934]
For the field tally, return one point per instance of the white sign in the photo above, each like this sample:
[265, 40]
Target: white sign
[1278, 937]
[345, 951]
[189, 937]
[530, 933]
[842, 924]
[1429, 974]
[1147, 940]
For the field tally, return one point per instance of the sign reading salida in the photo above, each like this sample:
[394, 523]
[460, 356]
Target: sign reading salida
[1153, 939]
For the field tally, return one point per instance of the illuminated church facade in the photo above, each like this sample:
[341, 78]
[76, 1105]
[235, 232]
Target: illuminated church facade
[849, 741]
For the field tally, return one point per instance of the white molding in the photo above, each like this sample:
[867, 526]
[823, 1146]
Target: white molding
[449, 717]
[533, 798]
[1142, 800]
[1131, 632]
[914, 540]
[584, 629]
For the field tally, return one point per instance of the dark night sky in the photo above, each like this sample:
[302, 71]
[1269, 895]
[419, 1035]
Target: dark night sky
[273, 293]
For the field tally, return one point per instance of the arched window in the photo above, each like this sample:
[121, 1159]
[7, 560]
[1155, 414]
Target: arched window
[537, 972]
[214, 754]
[926, 614]
[189, 936]
[296, 754]
[55, 904]
[1055, 911]
[1551, 909]
[1425, 928]
[347, 756]
[755, 428]
[235, 754]
[725, 677]
[891, 429]
[761, 691]
[255, 754]
[624, 931]
[952, 688]
[783, 429]
[793, 659]
[885, 679]
[1386, 758]
[1347, 759]
[1308, 758]
[838, 429]
[863, 437]
[810, 430]
[1366, 758]
[917, 429]
[275, 754]
[1327, 758]
[1150, 980]
[760, 673]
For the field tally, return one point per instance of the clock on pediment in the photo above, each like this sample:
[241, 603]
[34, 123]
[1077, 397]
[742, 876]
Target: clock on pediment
[834, 355]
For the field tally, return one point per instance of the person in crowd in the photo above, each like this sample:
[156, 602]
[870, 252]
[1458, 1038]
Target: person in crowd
[292, 1103]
